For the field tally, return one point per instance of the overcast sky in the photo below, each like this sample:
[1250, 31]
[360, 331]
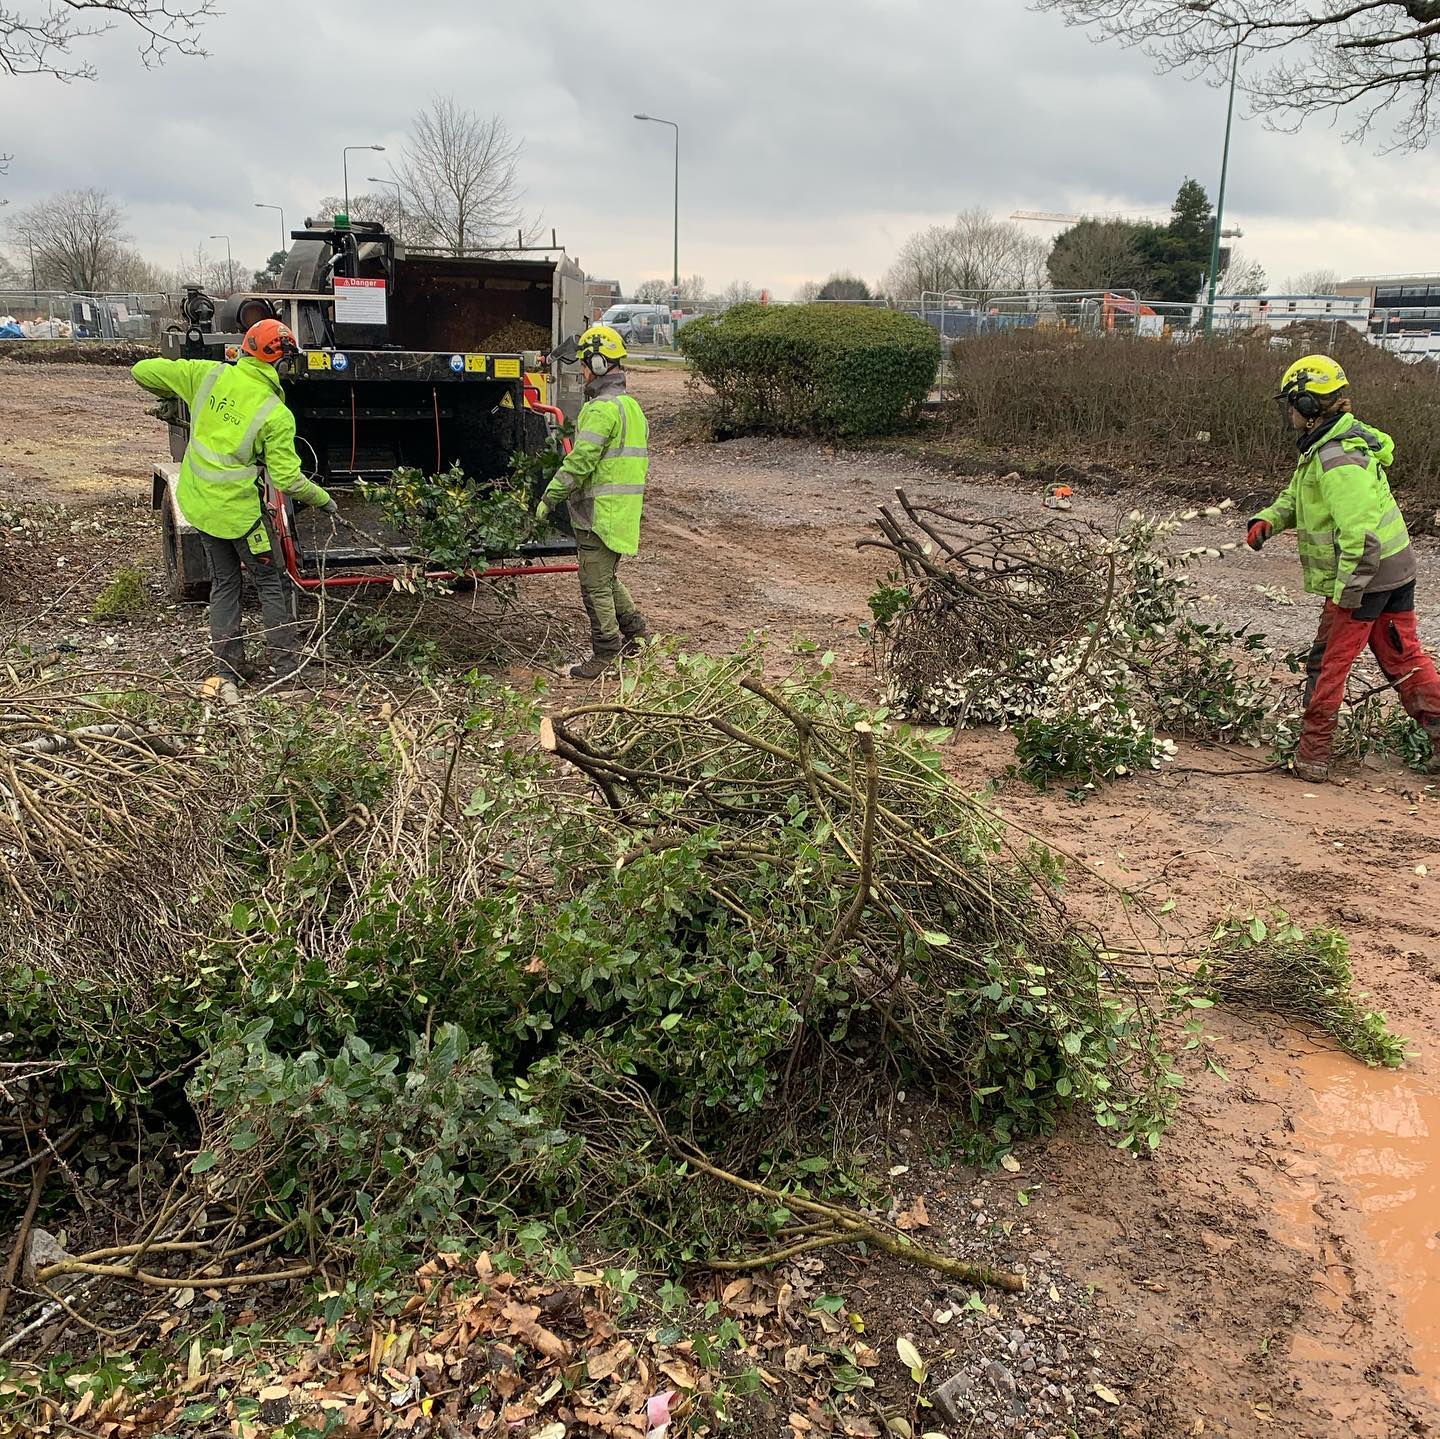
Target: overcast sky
[816, 134]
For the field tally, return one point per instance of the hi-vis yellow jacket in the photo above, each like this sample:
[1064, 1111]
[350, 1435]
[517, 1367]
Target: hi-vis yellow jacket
[238, 422]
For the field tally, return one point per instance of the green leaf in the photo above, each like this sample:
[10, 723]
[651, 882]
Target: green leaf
[1258, 930]
[204, 1160]
[935, 937]
[671, 1020]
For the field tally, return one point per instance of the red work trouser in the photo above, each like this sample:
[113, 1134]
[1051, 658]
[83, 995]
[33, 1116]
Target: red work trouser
[1392, 635]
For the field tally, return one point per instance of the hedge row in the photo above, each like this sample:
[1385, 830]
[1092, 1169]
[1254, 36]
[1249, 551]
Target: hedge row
[844, 370]
[1179, 404]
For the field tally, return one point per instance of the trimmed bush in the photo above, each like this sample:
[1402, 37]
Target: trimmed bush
[848, 370]
[1184, 404]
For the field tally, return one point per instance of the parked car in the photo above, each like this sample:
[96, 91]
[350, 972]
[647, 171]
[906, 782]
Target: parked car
[638, 324]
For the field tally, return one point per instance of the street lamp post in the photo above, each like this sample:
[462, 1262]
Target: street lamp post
[345, 167]
[284, 237]
[229, 259]
[399, 201]
[675, 273]
[1220, 198]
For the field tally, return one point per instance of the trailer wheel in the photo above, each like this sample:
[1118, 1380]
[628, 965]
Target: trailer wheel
[187, 576]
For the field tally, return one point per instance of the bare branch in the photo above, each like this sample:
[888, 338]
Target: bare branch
[39, 39]
[1369, 59]
[461, 182]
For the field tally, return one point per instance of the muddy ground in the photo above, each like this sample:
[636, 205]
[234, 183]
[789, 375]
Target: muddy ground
[1273, 1269]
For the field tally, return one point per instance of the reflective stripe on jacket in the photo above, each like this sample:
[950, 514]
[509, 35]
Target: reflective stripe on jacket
[239, 422]
[603, 478]
[1351, 535]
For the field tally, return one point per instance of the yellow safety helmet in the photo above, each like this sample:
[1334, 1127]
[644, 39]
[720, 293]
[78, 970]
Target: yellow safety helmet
[600, 347]
[1310, 382]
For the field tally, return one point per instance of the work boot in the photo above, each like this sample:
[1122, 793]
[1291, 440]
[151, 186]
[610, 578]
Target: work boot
[1432, 728]
[236, 672]
[594, 667]
[1311, 772]
[291, 679]
[636, 633]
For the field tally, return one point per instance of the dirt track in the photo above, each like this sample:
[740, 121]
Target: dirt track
[1243, 1278]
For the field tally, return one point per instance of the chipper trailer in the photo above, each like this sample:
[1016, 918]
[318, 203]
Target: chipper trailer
[408, 358]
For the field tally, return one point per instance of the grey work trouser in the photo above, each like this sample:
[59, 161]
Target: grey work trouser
[230, 560]
[614, 616]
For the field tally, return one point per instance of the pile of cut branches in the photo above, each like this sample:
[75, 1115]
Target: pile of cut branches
[459, 524]
[1273, 965]
[1077, 638]
[110, 804]
[895, 913]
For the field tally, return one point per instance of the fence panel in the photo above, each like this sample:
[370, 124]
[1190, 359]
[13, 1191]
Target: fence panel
[77, 315]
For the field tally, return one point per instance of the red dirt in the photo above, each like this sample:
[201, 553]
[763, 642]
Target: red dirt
[1241, 1281]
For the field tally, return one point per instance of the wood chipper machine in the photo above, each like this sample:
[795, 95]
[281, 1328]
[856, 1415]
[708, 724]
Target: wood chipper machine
[408, 358]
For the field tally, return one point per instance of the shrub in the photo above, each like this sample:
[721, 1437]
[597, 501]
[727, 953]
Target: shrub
[458, 525]
[846, 370]
[1183, 404]
[1302, 975]
[1078, 639]
[124, 597]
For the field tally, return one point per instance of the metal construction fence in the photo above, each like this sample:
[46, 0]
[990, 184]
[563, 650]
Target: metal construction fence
[81, 315]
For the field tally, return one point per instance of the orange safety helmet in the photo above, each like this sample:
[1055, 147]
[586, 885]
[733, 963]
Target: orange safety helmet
[270, 341]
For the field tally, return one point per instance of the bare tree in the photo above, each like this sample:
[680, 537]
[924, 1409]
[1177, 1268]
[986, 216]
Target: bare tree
[212, 272]
[1366, 58]
[1097, 255]
[977, 255]
[77, 238]
[1312, 282]
[1241, 276]
[737, 292]
[460, 178]
[134, 274]
[38, 37]
[652, 292]
[842, 285]
[807, 293]
[383, 209]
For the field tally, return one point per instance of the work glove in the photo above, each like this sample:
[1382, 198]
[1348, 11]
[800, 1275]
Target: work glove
[330, 508]
[1258, 533]
[541, 510]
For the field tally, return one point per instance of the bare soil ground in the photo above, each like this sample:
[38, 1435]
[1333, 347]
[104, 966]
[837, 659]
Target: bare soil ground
[1244, 1280]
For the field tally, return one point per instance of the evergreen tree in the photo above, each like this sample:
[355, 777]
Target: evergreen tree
[1179, 255]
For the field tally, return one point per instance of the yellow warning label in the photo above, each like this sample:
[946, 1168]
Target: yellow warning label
[475, 364]
[317, 360]
[507, 369]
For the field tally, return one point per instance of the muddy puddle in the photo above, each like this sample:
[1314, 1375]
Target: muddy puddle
[1376, 1135]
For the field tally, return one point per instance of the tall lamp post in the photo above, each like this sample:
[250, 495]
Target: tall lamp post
[229, 259]
[399, 201]
[675, 274]
[1220, 198]
[345, 167]
[284, 237]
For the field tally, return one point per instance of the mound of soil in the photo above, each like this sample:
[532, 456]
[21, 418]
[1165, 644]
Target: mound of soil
[76, 352]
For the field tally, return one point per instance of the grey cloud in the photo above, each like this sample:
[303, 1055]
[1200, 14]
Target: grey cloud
[803, 122]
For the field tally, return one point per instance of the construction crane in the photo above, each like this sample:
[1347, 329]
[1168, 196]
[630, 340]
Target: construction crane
[1054, 218]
